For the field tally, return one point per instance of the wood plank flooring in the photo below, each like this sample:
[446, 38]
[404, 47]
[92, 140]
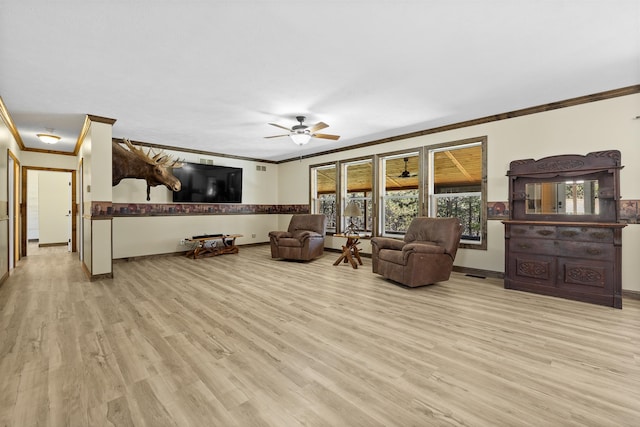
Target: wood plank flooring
[244, 340]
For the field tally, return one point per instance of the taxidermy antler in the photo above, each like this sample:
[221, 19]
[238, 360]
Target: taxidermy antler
[155, 168]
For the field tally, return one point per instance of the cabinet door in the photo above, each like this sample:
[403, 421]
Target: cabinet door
[533, 269]
[585, 276]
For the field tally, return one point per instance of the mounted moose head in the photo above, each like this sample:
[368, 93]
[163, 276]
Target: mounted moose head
[135, 163]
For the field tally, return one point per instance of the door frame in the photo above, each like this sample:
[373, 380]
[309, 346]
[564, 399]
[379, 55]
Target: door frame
[23, 210]
[14, 211]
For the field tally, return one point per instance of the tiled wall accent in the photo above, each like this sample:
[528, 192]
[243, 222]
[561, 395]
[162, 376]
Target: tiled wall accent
[629, 211]
[108, 209]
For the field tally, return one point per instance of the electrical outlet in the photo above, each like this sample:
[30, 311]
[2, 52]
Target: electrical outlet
[253, 236]
[181, 242]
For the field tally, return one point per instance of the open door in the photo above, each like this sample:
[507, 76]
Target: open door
[56, 217]
[54, 208]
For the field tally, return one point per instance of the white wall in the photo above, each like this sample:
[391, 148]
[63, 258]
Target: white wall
[595, 126]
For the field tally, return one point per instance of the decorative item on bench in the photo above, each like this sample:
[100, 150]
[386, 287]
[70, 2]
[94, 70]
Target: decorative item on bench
[352, 210]
[424, 257]
[155, 168]
[303, 240]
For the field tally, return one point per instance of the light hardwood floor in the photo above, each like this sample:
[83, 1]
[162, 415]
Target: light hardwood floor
[244, 340]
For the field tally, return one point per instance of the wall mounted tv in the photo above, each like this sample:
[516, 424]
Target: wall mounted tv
[208, 184]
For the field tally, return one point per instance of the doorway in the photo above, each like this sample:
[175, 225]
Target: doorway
[50, 215]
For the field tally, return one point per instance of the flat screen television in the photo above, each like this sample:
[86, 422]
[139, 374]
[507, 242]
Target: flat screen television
[208, 184]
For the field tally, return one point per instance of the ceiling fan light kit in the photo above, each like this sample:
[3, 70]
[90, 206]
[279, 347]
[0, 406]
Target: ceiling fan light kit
[300, 138]
[301, 134]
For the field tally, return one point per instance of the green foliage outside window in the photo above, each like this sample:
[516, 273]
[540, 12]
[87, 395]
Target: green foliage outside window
[327, 206]
[400, 208]
[466, 209]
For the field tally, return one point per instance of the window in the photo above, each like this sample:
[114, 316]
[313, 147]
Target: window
[443, 180]
[399, 192]
[358, 185]
[457, 187]
[323, 193]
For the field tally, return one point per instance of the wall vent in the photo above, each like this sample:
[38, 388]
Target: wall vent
[261, 168]
[206, 161]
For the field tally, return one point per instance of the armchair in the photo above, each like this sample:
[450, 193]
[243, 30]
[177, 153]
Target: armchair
[425, 256]
[304, 239]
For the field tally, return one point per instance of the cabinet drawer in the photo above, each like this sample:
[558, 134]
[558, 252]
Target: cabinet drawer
[533, 246]
[586, 250]
[538, 231]
[586, 234]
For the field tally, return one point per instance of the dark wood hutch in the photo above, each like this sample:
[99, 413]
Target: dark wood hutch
[563, 237]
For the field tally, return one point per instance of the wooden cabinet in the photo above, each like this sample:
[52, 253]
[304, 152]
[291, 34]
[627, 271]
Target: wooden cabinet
[563, 237]
[578, 261]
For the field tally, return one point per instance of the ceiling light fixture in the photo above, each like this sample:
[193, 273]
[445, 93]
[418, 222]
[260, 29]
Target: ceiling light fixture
[48, 138]
[300, 138]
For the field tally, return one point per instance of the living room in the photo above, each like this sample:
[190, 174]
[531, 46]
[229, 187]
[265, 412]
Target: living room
[128, 331]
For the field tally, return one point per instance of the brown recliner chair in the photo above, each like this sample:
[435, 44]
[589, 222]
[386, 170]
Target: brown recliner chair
[425, 256]
[304, 240]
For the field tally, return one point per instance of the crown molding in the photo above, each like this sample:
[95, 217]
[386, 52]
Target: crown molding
[6, 117]
[571, 102]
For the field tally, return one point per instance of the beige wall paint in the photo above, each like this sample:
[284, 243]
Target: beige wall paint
[162, 234]
[602, 125]
[258, 187]
[84, 182]
[157, 235]
[101, 230]
[45, 160]
[595, 126]
[7, 143]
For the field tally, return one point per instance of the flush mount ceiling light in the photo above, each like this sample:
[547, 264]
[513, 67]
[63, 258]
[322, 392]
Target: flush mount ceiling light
[48, 138]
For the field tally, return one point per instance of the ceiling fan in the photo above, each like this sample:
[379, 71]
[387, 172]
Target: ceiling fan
[405, 173]
[300, 134]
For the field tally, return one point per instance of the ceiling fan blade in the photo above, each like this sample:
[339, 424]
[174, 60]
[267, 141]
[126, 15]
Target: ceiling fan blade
[276, 136]
[281, 127]
[317, 126]
[326, 136]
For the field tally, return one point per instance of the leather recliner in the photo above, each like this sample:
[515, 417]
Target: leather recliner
[424, 257]
[304, 239]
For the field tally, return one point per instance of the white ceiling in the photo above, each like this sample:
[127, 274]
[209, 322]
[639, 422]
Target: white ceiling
[210, 75]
